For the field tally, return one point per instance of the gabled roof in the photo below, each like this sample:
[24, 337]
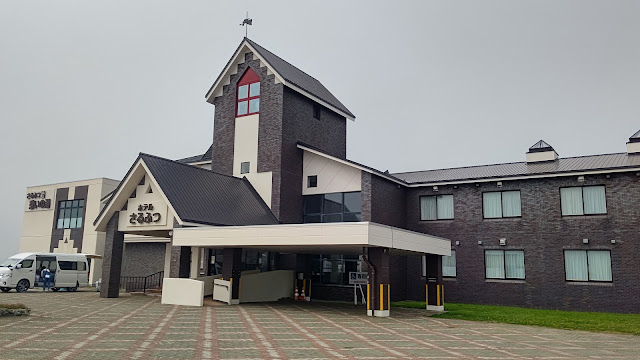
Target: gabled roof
[197, 195]
[635, 137]
[286, 73]
[198, 158]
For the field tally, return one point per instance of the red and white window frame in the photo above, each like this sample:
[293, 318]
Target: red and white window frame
[248, 94]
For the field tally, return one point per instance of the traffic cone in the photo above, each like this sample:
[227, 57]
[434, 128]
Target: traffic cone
[302, 296]
[295, 295]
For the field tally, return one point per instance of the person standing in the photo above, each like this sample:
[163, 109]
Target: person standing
[46, 276]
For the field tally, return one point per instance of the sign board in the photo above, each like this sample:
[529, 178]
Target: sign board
[358, 278]
[38, 201]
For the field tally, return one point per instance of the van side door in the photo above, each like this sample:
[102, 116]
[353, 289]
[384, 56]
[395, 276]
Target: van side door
[50, 263]
[25, 269]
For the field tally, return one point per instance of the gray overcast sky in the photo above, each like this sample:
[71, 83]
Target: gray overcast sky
[86, 85]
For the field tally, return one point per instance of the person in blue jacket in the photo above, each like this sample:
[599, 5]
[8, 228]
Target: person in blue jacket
[46, 276]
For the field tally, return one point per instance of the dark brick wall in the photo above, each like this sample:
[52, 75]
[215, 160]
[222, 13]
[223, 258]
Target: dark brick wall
[143, 259]
[383, 201]
[286, 117]
[543, 234]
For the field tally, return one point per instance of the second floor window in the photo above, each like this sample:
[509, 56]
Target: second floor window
[334, 207]
[501, 204]
[248, 94]
[436, 207]
[70, 214]
[583, 200]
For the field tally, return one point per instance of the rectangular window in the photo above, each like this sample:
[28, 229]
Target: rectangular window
[244, 167]
[333, 269]
[501, 204]
[334, 207]
[436, 207]
[504, 264]
[312, 181]
[583, 200]
[68, 265]
[316, 111]
[449, 265]
[70, 214]
[587, 265]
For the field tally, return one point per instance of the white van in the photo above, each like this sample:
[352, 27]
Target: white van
[22, 271]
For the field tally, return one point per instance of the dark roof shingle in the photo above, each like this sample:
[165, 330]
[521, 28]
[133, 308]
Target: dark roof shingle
[299, 78]
[205, 197]
[198, 158]
[561, 165]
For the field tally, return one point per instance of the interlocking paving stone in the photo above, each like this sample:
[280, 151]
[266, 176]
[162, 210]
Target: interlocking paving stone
[82, 325]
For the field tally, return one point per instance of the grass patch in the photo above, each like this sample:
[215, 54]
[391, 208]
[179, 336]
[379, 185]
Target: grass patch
[12, 306]
[571, 320]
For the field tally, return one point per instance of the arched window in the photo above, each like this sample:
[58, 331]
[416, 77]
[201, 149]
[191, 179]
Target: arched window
[248, 94]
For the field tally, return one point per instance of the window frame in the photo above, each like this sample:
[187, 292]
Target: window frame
[309, 178]
[501, 205]
[453, 251]
[322, 213]
[582, 189]
[437, 215]
[80, 214]
[248, 166]
[564, 266]
[504, 265]
[317, 111]
[249, 78]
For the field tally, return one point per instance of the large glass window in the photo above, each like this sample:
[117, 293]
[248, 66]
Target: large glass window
[587, 265]
[501, 204]
[436, 207]
[449, 265]
[504, 264]
[334, 207]
[70, 214]
[248, 94]
[583, 200]
[334, 269]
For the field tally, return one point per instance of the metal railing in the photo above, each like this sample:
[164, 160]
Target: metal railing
[142, 283]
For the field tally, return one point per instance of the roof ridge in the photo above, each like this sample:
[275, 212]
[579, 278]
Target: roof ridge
[272, 53]
[259, 198]
[191, 166]
[506, 163]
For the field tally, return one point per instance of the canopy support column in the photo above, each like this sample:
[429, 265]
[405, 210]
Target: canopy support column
[434, 286]
[231, 265]
[379, 287]
[112, 263]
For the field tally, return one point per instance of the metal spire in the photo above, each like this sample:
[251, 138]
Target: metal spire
[246, 22]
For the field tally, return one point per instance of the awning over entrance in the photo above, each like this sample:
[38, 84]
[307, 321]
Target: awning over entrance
[312, 238]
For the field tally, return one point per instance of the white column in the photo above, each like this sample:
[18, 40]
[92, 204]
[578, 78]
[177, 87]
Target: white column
[167, 260]
[195, 262]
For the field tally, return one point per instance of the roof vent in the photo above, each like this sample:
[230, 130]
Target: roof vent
[633, 146]
[541, 151]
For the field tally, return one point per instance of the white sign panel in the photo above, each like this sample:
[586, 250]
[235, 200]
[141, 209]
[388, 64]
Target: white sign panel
[358, 278]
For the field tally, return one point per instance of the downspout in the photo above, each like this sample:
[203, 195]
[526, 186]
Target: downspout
[372, 269]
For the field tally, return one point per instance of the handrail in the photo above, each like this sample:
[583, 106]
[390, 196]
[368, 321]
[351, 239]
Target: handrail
[137, 283]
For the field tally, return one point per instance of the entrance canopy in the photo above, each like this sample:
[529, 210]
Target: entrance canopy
[343, 238]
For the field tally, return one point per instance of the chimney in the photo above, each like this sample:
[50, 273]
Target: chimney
[541, 151]
[633, 146]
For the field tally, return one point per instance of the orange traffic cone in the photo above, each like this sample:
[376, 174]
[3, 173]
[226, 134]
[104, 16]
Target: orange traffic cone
[295, 295]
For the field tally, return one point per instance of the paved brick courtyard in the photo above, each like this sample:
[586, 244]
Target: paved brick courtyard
[83, 326]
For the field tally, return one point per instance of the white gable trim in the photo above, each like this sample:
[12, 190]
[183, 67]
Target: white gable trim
[350, 164]
[238, 58]
[127, 186]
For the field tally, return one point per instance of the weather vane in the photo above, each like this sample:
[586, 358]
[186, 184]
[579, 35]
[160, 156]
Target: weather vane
[246, 22]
